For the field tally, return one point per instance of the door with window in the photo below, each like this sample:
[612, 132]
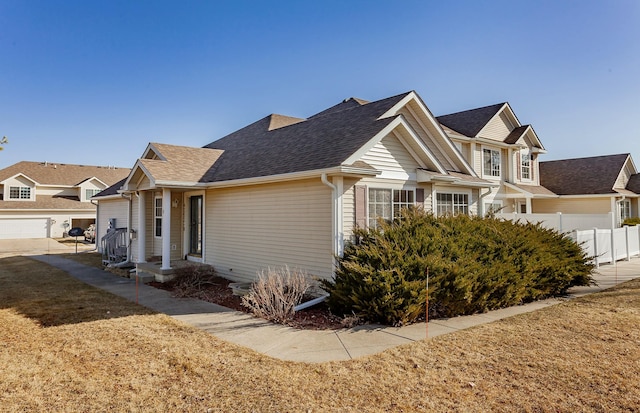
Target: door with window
[195, 225]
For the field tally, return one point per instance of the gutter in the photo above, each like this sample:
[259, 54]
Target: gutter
[334, 212]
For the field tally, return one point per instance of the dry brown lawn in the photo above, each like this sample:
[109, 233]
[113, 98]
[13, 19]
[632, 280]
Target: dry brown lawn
[65, 346]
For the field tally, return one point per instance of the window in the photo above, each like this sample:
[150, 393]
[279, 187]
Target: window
[624, 208]
[91, 192]
[19, 192]
[452, 204]
[492, 207]
[491, 162]
[157, 215]
[525, 165]
[387, 203]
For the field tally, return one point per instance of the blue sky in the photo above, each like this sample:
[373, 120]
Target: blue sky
[92, 82]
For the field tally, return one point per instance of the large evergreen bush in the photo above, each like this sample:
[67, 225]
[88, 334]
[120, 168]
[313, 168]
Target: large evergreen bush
[475, 264]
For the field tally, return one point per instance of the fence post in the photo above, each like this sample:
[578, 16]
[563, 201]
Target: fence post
[626, 238]
[614, 259]
[595, 247]
[559, 221]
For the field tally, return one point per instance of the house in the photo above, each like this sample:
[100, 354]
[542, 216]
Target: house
[43, 199]
[501, 150]
[289, 191]
[593, 185]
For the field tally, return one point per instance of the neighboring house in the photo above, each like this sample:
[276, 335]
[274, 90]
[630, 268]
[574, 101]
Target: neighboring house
[42, 199]
[500, 150]
[289, 191]
[594, 185]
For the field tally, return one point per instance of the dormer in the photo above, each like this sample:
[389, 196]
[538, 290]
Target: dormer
[89, 187]
[19, 188]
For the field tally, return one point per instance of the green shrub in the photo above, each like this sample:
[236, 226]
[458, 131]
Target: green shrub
[631, 221]
[475, 264]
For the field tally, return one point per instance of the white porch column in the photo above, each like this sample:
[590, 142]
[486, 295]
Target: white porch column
[142, 227]
[528, 205]
[166, 229]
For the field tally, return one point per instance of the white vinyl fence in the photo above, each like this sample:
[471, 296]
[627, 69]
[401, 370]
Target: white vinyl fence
[564, 222]
[609, 246]
[595, 232]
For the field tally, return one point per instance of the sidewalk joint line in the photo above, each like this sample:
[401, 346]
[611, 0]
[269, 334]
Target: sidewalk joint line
[343, 346]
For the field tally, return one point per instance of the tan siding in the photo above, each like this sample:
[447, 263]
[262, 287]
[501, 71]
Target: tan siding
[572, 205]
[477, 164]
[498, 128]
[252, 228]
[390, 155]
[623, 178]
[348, 205]
[428, 140]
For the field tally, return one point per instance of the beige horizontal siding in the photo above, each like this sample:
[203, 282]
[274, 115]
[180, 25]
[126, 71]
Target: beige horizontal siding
[498, 128]
[572, 205]
[107, 208]
[271, 225]
[390, 155]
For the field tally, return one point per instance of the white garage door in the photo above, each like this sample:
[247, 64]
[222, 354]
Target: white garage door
[23, 228]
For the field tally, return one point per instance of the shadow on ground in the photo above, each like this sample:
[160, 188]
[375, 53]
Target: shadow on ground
[51, 297]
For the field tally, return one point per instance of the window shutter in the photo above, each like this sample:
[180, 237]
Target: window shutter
[360, 200]
[531, 163]
[420, 197]
[519, 166]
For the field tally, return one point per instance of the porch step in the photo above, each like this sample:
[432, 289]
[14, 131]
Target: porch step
[143, 277]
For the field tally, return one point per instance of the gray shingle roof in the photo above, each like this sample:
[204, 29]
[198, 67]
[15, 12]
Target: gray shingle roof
[515, 134]
[470, 122]
[634, 183]
[324, 140]
[582, 176]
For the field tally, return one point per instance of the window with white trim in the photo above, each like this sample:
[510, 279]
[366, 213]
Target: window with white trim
[492, 207]
[491, 161]
[452, 203]
[387, 203]
[91, 192]
[157, 216]
[19, 192]
[624, 209]
[525, 165]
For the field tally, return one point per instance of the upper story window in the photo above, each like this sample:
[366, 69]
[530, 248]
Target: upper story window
[491, 161]
[91, 192]
[452, 203]
[525, 165]
[19, 192]
[387, 203]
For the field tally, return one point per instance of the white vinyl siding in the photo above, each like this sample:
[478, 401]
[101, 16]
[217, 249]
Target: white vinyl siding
[107, 209]
[251, 228]
[348, 205]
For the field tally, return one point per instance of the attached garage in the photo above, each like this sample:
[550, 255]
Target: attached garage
[24, 228]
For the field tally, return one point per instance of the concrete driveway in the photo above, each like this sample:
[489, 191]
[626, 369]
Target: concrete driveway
[39, 246]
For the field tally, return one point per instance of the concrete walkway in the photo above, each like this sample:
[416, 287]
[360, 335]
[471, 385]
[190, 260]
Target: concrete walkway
[307, 345]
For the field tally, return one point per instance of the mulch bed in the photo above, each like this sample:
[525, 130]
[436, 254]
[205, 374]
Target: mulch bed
[317, 317]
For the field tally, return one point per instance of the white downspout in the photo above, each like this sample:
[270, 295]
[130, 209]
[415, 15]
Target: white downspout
[481, 204]
[334, 212]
